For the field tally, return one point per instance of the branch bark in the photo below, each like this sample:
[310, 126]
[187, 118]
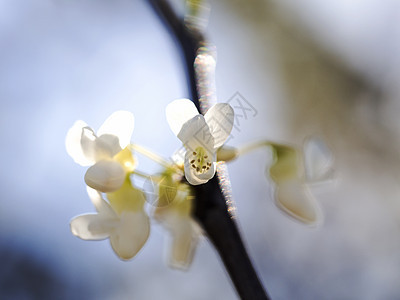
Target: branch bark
[210, 209]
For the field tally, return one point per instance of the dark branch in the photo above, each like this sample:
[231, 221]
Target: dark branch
[210, 205]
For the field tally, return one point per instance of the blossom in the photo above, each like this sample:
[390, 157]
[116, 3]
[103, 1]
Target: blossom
[123, 220]
[105, 151]
[292, 174]
[200, 135]
[177, 218]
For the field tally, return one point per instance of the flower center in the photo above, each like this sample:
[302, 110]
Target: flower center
[199, 160]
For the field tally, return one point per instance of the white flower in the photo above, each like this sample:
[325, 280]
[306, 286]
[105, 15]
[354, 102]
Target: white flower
[200, 135]
[103, 152]
[185, 232]
[124, 222]
[292, 174]
[292, 195]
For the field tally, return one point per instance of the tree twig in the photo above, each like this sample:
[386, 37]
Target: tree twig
[211, 210]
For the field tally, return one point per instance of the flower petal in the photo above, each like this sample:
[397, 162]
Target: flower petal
[184, 232]
[105, 176]
[73, 144]
[131, 235]
[92, 227]
[119, 124]
[88, 144]
[220, 119]
[178, 112]
[195, 133]
[106, 146]
[184, 242]
[101, 205]
[295, 200]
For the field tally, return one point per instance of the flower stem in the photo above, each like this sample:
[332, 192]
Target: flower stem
[141, 174]
[155, 157]
[253, 146]
[210, 205]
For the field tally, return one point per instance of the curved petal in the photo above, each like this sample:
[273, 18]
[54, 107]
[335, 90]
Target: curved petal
[131, 235]
[196, 133]
[184, 242]
[184, 234]
[88, 143]
[101, 205]
[119, 124]
[106, 146]
[92, 227]
[294, 199]
[194, 177]
[73, 144]
[105, 176]
[220, 118]
[178, 112]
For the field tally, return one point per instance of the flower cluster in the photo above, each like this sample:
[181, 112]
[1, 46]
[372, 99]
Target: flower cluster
[121, 214]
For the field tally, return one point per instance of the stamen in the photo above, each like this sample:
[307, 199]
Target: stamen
[200, 161]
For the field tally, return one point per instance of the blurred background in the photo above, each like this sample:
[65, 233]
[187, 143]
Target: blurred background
[325, 68]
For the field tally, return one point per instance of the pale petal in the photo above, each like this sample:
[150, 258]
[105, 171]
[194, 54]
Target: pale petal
[73, 144]
[178, 112]
[101, 205]
[220, 118]
[131, 235]
[184, 242]
[88, 143]
[195, 133]
[196, 178]
[92, 227]
[295, 199]
[318, 160]
[119, 124]
[184, 235]
[106, 146]
[105, 176]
